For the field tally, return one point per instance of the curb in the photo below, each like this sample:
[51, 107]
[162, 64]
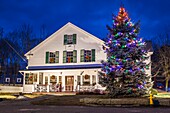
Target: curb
[129, 102]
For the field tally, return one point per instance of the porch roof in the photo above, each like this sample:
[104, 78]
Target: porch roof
[85, 66]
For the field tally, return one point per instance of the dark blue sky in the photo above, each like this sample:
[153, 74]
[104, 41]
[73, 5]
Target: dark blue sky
[91, 15]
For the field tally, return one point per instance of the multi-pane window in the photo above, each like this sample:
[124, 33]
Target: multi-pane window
[52, 57]
[70, 56]
[70, 39]
[87, 55]
[30, 78]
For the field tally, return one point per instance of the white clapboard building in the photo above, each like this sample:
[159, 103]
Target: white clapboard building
[68, 60]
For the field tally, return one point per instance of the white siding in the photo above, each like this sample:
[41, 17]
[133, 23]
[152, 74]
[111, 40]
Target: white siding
[56, 43]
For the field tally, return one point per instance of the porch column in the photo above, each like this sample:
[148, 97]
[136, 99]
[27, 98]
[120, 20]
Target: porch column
[75, 83]
[57, 79]
[90, 79]
[38, 78]
[48, 79]
[97, 79]
[63, 82]
[43, 78]
[48, 85]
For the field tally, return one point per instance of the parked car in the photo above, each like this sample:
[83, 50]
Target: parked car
[160, 86]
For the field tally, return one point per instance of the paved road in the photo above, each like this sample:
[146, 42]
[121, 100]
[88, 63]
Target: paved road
[24, 106]
[77, 109]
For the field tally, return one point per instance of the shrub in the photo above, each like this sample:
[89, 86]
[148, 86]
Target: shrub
[153, 91]
[94, 92]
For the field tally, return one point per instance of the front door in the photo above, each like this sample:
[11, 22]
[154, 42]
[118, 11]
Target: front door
[69, 83]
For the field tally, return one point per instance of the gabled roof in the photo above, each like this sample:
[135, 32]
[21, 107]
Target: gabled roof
[61, 29]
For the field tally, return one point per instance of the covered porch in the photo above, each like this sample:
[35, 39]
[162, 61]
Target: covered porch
[69, 80]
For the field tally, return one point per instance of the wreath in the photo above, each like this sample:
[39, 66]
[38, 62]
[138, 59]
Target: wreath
[52, 60]
[86, 76]
[30, 78]
[52, 77]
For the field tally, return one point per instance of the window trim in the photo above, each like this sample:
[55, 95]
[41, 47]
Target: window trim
[19, 80]
[73, 58]
[48, 56]
[30, 78]
[7, 79]
[82, 55]
[72, 39]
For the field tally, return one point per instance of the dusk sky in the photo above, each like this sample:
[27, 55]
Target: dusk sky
[90, 15]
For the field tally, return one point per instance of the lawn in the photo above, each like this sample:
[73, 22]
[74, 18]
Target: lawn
[14, 96]
[32, 95]
[162, 95]
[67, 100]
[7, 96]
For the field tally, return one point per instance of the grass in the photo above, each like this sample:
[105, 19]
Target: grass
[32, 95]
[66, 100]
[69, 100]
[14, 95]
[162, 95]
[7, 96]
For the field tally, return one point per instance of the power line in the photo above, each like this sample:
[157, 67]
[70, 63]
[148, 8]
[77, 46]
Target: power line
[16, 51]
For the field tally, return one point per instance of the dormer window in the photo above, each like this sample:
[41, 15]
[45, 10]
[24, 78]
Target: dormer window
[70, 39]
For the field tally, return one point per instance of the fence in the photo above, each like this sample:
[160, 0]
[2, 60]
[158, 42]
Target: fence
[10, 89]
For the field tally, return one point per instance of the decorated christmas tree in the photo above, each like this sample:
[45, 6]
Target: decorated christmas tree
[123, 73]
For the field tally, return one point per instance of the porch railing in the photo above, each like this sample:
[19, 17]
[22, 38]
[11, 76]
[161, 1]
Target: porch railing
[40, 88]
[54, 88]
[86, 88]
[46, 88]
[90, 88]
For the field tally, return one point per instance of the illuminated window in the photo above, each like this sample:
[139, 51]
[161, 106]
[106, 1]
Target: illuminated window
[87, 55]
[7, 80]
[52, 57]
[70, 39]
[70, 56]
[19, 80]
[30, 78]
